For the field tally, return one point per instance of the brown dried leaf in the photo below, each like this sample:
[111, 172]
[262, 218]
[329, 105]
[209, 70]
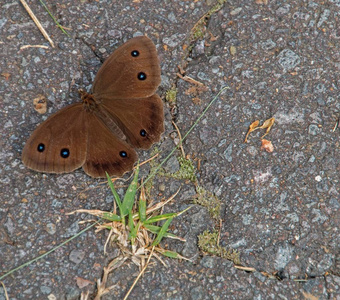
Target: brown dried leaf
[40, 104]
[81, 282]
[196, 100]
[267, 145]
[261, 2]
[6, 75]
[253, 126]
[267, 124]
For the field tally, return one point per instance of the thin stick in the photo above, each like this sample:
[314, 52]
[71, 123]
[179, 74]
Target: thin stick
[180, 138]
[3, 286]
[139, 275]
[190, 80]
[33, 46]
[336, 125]
[36, 21]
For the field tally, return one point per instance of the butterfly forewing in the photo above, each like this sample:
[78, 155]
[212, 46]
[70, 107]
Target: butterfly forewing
[132, 71]
[59, 144]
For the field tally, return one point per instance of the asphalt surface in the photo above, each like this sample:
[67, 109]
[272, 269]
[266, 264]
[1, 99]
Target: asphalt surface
[279, 209]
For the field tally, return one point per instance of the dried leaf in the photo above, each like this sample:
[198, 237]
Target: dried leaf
[196, 100]
[232, 50]
[267, 124]
[40, 104]
[261, 2]
[6, 75]
[81, 282]
[267, 145]
[253, 126]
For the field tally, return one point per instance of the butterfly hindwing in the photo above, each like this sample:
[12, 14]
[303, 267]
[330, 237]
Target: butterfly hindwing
[105, 151]
[141, 120]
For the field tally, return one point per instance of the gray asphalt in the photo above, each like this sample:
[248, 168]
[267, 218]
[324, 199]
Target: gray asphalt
[279, 210]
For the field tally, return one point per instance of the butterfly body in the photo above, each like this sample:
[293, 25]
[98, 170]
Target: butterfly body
[121, 113]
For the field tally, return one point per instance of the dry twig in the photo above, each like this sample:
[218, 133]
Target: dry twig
[36, 21]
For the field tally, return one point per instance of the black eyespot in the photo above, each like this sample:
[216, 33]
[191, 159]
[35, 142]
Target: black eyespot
[142, 132]
[135, 53]
[141, 76]
[41, 147]
[65, 153]
[123, 154]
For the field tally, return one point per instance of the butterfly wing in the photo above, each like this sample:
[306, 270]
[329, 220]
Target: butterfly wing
[132, 71]
[58, 145]
[141, 120]
[106, 152]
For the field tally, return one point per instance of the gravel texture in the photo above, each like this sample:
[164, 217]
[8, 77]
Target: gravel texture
[280, 210]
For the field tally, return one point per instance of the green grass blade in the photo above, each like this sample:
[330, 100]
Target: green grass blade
[142, 207]
[160, 218]
[171, 254]
[111, 217]
[54, 19]
[162, 232]
[130, 194]
[113, 190]
[132, 229]
[155, 229]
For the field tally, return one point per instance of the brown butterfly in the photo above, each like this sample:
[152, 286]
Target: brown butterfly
[121, 113]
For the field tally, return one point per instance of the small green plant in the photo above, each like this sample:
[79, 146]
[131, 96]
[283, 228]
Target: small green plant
[135, 224]
[208, 200]
[171, 96]
[186, 170]
[209, 243]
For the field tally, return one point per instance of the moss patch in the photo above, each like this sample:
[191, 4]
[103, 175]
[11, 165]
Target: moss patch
[171, 96]
[208, 242]
[186, 170]
[208, 200]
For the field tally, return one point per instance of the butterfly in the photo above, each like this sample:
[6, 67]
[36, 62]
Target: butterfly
[100, 134]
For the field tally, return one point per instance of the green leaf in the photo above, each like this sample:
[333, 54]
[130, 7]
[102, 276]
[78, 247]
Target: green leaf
[162, 232]
[111, 217]
[142, 206]
[132, 228]
[160, 218]
[130, 194]
[155, 229]
[114, 193]
[171, 254]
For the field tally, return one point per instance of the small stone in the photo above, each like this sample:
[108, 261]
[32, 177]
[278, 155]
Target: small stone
[313, 129]
[236, 11]
[228, 152]
[77, 256]
[268, 45]
[45, 290]
[318, 178]
[288, 59]
[197, 293]
[172, 165]
[51, 228]
[208, 262]
[161, 187]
